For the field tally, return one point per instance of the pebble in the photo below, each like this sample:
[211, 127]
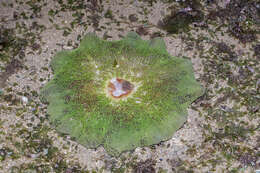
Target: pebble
[24, 100]
[258, 83]
[45, 151]
[35, 155]
[251, 69]
[67, 47]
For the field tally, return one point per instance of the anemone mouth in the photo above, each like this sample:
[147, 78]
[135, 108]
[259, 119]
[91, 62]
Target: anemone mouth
[119, 88]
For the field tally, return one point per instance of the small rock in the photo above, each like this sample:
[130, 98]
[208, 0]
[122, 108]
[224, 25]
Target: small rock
[257, 51]
[2, 154]
[45, 151]
[67, 47]
[258, 84]
[34, 155]
[24, 100]
[36, 46]
[251, 69]
[69, 170]
[226, 109]
[132, 18]
[141, 30]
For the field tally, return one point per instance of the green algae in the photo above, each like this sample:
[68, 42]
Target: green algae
[80, 105]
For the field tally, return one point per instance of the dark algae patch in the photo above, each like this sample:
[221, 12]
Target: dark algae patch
[180, 18]
[121, 94]
[257, 50]
[146, 166]
[10, 69]
[13, 44]
[241, 17]
[10, 47]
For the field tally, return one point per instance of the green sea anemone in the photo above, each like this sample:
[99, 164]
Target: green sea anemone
[119, 94]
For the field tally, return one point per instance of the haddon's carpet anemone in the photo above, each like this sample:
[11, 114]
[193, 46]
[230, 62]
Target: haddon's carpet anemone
[120, 94]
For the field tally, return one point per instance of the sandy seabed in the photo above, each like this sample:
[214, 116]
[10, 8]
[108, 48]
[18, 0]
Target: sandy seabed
[222, 130]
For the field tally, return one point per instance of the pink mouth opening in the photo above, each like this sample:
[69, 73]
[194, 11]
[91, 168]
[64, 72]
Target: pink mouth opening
[119, 88]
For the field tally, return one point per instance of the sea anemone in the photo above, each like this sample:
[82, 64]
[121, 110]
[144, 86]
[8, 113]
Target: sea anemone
[120, 94]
